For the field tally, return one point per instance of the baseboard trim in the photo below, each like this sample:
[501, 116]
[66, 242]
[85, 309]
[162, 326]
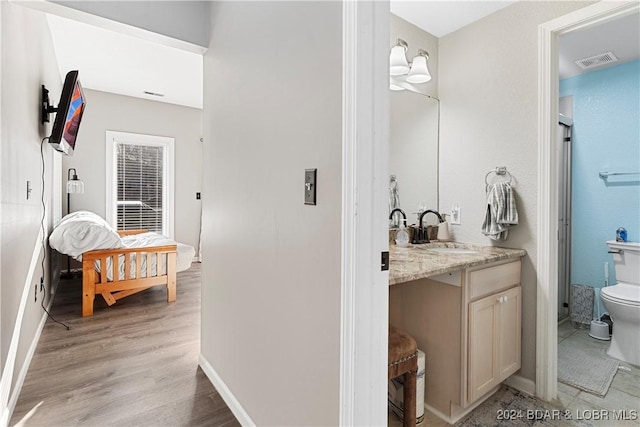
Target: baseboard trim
[460, 413]
[437, 413]
[9, 365]
[224, 391]
[522, 384]
[13, 400]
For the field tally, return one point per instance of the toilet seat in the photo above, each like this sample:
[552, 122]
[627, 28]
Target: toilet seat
[622, 293]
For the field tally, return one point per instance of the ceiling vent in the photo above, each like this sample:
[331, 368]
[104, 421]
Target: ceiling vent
[597, 60]
[146, 92]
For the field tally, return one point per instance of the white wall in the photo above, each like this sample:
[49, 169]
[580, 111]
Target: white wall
[271, 280]
[183, 20]
[489, 93]
[107, 111]
[28, 61]
[2, 355]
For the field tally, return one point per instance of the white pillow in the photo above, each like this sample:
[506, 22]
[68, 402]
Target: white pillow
[83, 231]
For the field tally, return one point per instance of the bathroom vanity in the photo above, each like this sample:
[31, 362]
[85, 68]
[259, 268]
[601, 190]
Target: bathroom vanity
[462, 304]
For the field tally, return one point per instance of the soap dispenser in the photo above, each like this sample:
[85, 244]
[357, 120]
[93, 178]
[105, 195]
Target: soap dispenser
[402, 235]
[443, 230]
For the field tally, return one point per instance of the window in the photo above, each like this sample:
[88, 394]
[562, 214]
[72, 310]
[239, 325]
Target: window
[140, 182]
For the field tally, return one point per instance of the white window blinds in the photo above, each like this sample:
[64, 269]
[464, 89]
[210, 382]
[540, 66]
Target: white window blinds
[140, 187]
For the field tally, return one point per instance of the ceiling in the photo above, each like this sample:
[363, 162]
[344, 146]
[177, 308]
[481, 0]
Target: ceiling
[620, 36]
[439, 18]
[110, 61]
[113, 62]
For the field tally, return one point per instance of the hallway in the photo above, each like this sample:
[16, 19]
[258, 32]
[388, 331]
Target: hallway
[132, 364]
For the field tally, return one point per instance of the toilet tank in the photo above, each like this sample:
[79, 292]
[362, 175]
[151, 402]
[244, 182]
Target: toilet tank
[627, 262]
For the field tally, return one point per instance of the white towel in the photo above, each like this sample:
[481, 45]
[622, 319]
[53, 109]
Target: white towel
[501, 211]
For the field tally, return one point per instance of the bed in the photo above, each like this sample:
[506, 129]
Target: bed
[116, 264]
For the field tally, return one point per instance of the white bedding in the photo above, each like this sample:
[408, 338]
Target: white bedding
[184, 256]
[83, 231]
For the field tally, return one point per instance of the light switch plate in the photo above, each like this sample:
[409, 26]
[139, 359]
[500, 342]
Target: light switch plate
[310, 186]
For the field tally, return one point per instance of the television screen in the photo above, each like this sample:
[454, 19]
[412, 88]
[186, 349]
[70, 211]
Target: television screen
[68, 115]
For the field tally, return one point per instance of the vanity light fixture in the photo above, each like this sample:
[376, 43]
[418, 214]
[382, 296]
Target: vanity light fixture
[419, 72]
[415, 72]
[394, 86]
[398, 64]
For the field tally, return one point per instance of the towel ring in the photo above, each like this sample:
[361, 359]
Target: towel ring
[500, 171]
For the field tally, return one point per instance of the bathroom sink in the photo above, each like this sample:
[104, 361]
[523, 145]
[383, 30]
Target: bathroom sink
[460, 251]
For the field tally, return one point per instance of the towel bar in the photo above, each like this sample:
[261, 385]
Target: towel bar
[605, 175]
[500, 171]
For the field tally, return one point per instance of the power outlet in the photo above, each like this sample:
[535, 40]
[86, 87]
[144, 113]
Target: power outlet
[455, 214]
[35, 293]
[41, 284]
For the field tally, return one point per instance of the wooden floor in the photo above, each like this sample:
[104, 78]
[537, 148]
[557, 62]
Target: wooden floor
[132, 364]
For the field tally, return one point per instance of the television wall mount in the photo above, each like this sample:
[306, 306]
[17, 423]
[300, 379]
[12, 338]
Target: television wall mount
[46, 107]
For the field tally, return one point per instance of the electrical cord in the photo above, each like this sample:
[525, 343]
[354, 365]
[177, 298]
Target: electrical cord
[44, 246]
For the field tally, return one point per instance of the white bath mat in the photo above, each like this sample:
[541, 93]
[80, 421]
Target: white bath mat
[587, 372]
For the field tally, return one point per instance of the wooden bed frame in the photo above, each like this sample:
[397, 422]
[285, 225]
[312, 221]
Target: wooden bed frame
[94, 282]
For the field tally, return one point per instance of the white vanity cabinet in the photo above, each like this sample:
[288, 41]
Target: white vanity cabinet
[494, 341]
[468, 323]
[494, 303]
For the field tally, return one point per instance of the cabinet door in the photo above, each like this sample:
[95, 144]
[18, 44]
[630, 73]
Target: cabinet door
[494, 340]
[509, 333]
[483, 368]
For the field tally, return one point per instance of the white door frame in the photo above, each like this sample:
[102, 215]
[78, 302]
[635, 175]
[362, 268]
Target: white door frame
[365, 158]
[548, 82]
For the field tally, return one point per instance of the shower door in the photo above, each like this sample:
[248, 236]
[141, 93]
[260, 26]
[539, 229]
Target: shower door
[563, 152]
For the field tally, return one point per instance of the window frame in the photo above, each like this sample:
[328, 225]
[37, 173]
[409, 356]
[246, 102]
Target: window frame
[168, 179]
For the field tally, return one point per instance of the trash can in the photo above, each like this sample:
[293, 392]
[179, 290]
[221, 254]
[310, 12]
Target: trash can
[395, 395]
[582, 297]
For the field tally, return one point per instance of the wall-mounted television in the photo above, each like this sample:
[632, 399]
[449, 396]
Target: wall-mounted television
[68, 114]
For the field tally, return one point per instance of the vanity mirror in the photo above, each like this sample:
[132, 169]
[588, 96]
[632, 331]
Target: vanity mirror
[413, 152]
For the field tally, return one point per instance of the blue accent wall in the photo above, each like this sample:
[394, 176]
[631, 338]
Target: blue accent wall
[606, 137]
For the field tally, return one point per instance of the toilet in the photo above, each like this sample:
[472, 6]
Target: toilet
[622, 302]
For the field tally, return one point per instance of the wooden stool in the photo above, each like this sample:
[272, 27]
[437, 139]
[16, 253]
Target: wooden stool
[403, 360]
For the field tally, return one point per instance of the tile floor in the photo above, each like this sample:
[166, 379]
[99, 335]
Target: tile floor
[624, 393]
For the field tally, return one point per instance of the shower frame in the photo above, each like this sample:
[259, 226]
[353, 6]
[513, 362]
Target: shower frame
[564, 216]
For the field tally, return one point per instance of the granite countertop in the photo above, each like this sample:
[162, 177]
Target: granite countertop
[420, 261]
